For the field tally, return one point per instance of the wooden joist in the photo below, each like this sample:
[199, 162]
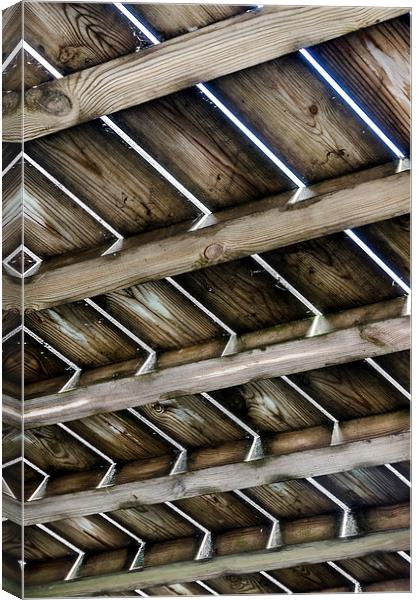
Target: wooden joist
[297, 465]
[310, 344]
[350, 201]
[230, 542]
[279, 444]
[386, 538]
[203, 55]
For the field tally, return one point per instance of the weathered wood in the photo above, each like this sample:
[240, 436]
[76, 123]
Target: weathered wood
[333, 272]
[216, 50]
[75, 36]
[308, 553]
[317, 348]
[112, 179]
[285, 496]
[326, 138]
[391, 240]
[374, 567]
[278, 221]
[203, 149]
[233, 541]
[374, 65]
[391, 585]
[171, 21]
[321, 461]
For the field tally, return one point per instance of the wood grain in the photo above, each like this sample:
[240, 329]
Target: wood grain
[192, 138]
[301, 118]
[171, 21]
[181, 572]
[83, 335]
[297, 465]
[111, 178]
[310, 578]
[374, 567]
[374, 65]
[333, 273]
[75, 36]
[278, 223]
[373, 339]
[216, 50]
[350, 390]
[160, 315]
[390, 239]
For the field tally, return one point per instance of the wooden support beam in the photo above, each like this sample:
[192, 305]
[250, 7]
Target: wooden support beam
[319, 436]
[179, 63]
[185, 571]
[328, 207]
[297, 465]
[232, 542]
[322, 344]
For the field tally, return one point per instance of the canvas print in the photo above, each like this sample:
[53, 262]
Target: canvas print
[206, 299]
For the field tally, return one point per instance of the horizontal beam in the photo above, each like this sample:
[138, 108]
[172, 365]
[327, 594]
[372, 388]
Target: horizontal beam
[298, 465]
[310, 529]
[265, 560]
[345, 202]
[322, 344]
[318, 436]
[203, 55]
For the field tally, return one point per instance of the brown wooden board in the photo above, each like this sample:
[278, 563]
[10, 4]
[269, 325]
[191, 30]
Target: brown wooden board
[374, 66]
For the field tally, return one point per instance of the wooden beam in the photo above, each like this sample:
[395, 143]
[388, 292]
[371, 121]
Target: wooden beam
[318, 347]
[350, 201]
[283, 557]
[211, 52]
[297, 465]
[319, 436]
[235, 541]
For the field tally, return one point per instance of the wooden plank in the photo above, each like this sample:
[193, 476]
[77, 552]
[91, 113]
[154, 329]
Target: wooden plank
[391, 240]
[111, 178]
[75, 36]
[171, 21]
[298, 465]
[160, 315]
[301, 118]
[310, 578]
[309, 553]
[366, 486]
[277, 222]
[351, 390]
[333, 272]
[374, 567]
[374, 65]
[211, 52]
[203, 149]
[318, 350]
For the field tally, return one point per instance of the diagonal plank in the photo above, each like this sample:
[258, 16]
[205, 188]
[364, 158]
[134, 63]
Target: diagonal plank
[388, 540]
[350, 201]
[382, 328]
[179, 63]
[298, 465]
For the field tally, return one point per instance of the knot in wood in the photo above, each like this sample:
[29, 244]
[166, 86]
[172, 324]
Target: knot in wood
[157, 407]
[75, 57]
[51, 101]
[11, 101]
[213, 251]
